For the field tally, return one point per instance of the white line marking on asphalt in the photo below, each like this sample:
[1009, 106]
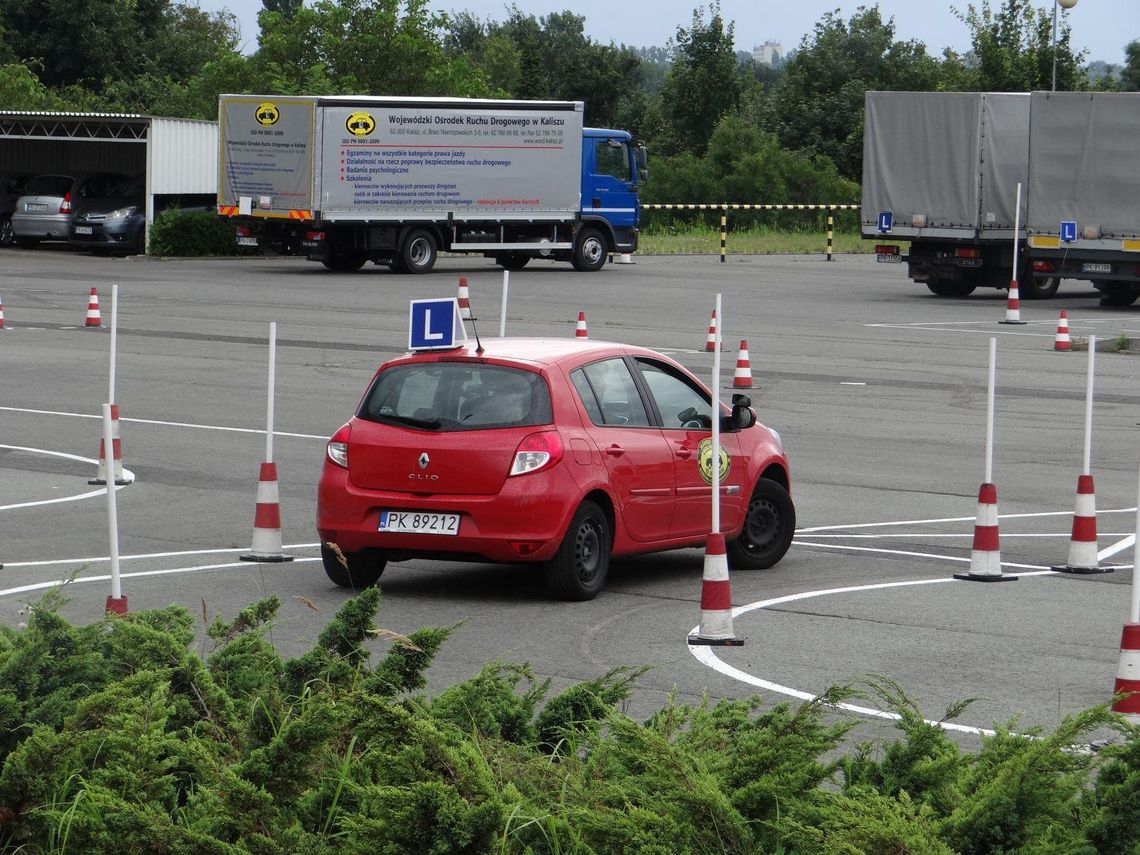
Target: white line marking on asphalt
[850, 383]
[102, 491]
[813, 529]
[8, 565]
[165, 424]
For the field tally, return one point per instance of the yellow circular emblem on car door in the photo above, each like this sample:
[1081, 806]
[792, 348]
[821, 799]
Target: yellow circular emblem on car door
[704, 461]
[267, 114]
[360, 124]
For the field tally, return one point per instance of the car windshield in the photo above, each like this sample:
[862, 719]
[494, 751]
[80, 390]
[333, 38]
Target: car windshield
[49, 185]
[457, 396]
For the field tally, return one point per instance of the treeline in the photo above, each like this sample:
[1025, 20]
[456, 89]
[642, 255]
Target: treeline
[720, 127]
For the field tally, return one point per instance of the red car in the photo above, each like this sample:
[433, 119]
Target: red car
[555, 452]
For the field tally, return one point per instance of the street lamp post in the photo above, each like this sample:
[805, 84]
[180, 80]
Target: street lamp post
[1064, 4]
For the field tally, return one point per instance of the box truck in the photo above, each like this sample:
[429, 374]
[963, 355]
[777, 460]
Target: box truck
[396, 180]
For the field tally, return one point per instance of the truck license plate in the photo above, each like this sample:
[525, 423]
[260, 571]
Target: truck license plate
[1096, 267]
[419, 522]
[888, 259]
[247, 241]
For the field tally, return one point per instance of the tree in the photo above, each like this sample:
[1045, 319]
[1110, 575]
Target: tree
[1130, 76]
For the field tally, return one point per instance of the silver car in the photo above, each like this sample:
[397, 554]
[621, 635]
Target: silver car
[44, 211]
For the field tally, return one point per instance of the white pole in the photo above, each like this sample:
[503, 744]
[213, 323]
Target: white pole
[114, 339]
[1134, 614]
[269, 416]
[1088, 408]
[1016, 229]
[716, 425]
[112, 509]
[503, 307]
[990, 414]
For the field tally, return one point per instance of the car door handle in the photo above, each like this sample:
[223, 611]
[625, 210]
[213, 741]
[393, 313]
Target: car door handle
[684, 453]
[615, 450]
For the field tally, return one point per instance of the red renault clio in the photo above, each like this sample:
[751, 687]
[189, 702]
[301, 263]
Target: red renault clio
[554, 452]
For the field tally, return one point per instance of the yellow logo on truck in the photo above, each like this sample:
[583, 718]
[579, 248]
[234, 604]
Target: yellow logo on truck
[704, 461]
[360, 124]
[267, 114]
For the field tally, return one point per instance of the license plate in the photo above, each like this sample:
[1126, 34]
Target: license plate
[889, 259]
[419, 522]
[1096, 267]
[84, 230]
[247, 241]
[33, 206]
[969, 262]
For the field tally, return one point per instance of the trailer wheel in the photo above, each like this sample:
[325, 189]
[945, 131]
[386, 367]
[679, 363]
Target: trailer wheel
[344, 262]
[1039, 289]
[949, 288]
[1116, 293]
[589, 250]
[512, 261]
[419, 251]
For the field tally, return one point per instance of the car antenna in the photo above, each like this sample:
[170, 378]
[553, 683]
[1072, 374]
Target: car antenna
[478, 343]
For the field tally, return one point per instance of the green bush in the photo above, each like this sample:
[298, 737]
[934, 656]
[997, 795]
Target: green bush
[192, 233]
[121, 737]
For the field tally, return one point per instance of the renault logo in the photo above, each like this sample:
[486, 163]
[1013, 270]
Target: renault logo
[424, 460]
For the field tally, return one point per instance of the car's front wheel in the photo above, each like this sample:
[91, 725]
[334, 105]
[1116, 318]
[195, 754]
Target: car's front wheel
[353, 569]
[579, 569]
[768, 528]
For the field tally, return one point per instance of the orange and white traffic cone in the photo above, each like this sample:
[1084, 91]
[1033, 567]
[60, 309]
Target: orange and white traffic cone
[710, 340]
[742, 377]
[1013, 305]
[716, 598]
[1, 314]
[985, 556]
[94, 319]
[1128, 673]
[464, 300]
[120, 475]
[1083, 559]
[580, 330]
[1062, 341]
[267, 519]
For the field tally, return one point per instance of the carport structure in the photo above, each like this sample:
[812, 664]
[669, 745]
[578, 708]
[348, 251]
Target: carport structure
[179, 157]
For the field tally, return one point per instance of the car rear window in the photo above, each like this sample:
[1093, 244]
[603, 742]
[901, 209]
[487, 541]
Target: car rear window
[49, 185]
[455, 396]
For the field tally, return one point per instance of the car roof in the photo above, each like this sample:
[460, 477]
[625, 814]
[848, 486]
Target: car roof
[536, 351]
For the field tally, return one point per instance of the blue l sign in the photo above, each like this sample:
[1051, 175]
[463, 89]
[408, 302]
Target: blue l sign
[435, 325]
[886, 221]
[1069, 231]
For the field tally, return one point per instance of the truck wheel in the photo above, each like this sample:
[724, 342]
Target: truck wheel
[419, 251]
[1117, 293]
[589, 251]
[1039, 289]
[948, 288]
[512, 261]
[344, 262]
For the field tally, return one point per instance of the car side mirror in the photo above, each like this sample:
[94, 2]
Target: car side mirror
[743, 416]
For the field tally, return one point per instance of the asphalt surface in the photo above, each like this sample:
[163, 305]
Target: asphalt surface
[877, 387]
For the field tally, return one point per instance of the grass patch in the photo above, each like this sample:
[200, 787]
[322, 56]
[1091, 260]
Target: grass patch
[701, 240]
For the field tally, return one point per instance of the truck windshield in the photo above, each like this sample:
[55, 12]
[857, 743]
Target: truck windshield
[613, 159]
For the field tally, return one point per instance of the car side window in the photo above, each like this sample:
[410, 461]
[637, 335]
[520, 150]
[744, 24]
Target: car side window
[681, 404]
[610, 395]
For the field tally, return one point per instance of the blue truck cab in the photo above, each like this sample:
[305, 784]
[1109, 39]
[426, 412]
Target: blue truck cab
[612, 168]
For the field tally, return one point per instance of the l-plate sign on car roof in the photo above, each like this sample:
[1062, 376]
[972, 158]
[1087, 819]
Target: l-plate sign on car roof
[435, 325]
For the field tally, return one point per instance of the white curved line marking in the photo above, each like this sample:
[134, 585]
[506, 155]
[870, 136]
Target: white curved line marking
[128, 475]
[163, 424]
[10, 565]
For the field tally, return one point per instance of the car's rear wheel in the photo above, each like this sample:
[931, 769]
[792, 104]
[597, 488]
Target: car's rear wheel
[579, 569]
[358, 570]
[768, 528]
[6, 236]
[27, 242]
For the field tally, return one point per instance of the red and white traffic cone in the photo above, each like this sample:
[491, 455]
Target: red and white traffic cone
[1128, 673]
[985, 556]
[580, 331]
[116, 605]
[94, 319]
[121, 476]
[710, 340]
[464, 300]
[716, 598]
[1013, 305]
[1062, 341]
[1082, 545]
[1, 314]
[267, 519]
[742, 377]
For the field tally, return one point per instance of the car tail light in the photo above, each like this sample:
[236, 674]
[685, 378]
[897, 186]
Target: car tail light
[968, 252]
[1043, 266]
[65, 205]
[314, 235]
[886, 249]
[244, 231]
[536, 452]
[337, 450]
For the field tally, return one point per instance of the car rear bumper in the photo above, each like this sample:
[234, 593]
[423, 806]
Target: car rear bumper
[530, 509]
[42, 226]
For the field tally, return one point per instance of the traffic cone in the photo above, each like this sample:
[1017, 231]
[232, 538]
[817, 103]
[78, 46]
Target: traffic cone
[116, 454]
[94, 319]
[116, 605]
[1128, 673]
[716, 598]
[1062, 341]
[1082, 546]
[1, 314]
[267, 519]
[710, 340]
[464, 300]
[1013, 306]
[580, 331]
[985, 557]
[742, 378]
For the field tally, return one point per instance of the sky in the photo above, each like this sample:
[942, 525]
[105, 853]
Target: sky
[1103, 27]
